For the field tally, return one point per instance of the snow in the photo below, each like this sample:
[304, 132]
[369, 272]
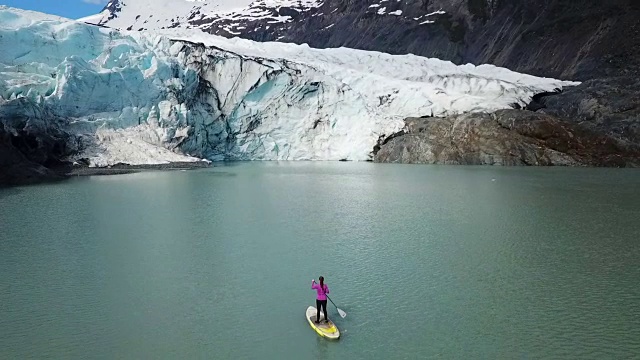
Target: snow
[428, 21]
[226, 17]
[127, 146]
[439, 12]
[154, 96]
[381, 9]
[227, 14]
[100, 18]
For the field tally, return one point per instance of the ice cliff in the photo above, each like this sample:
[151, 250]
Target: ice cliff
[175, 95]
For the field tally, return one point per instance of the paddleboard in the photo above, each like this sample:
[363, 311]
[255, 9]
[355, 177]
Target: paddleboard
[328, 329]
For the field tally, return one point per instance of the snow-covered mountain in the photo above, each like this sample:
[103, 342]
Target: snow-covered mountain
[221, 17]
[319, 23]
[156, 96]
[552, 38]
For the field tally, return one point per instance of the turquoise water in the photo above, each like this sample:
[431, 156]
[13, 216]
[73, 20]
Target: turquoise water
[427, 261]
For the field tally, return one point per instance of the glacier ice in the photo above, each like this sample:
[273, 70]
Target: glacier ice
[156, 96]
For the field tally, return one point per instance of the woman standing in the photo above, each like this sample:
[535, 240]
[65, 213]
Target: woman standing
[321, 300]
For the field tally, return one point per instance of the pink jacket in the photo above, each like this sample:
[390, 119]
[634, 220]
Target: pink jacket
[321, 292]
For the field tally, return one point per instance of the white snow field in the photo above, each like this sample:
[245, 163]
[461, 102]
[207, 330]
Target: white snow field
[200, 14]
[155, 96]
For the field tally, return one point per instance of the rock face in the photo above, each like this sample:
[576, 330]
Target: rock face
[610, 106]
[15, 168]
[31, 151]
[505, 137]
[555, 38]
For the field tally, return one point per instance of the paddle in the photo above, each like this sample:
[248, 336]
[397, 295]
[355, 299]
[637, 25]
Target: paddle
[342, 313]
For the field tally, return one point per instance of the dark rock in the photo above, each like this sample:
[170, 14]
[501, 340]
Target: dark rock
[32, 150]
[506, 137]
[383, 140]
[119, 169]
[536, 102]
[609, 105]
[16, 168]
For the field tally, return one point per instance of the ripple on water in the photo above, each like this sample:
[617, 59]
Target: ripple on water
[428, 262]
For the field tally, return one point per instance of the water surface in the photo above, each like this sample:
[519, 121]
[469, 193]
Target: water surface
[427, 261]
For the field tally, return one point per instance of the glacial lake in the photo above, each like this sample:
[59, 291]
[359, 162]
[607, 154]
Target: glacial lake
[453, 262]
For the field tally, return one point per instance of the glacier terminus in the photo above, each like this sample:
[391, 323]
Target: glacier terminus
[170, 95]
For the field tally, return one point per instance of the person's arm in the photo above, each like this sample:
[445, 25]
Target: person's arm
[313, 284]
[327, 287]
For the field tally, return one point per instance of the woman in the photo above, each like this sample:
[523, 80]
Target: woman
[321, 299]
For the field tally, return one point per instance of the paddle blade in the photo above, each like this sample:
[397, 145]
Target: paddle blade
[342, 313]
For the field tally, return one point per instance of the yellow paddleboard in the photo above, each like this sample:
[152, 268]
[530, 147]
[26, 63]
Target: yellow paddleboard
[324, 329]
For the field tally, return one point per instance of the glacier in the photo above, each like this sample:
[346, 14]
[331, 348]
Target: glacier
[170, 95]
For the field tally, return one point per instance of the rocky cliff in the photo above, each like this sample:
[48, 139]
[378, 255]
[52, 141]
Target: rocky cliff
[32, 151]
[505, 137]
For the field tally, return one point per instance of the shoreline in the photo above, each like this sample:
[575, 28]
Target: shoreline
[66, 172]
[120, 169]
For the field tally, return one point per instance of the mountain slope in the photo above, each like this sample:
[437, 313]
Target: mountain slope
[556, 38]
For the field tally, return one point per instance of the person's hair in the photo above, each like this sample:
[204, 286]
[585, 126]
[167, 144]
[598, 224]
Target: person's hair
[322, 284]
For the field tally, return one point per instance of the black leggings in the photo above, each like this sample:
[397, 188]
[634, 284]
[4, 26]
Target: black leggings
[323, 304]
